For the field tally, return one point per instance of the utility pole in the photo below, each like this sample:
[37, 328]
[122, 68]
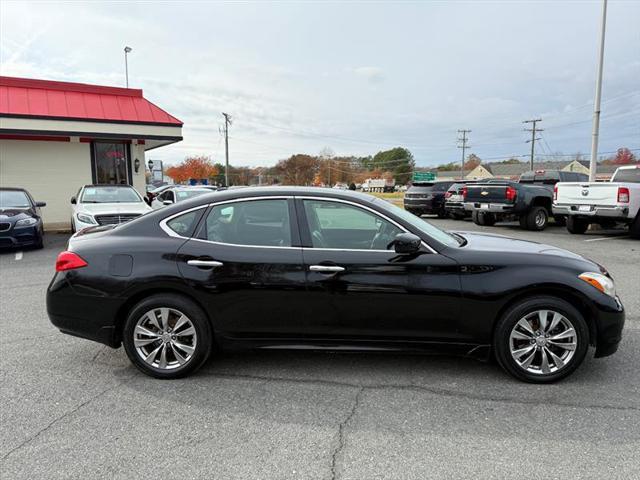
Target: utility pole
[596, 104]
[464, 147]
[533, 136]
[329, 168]
[227, 122]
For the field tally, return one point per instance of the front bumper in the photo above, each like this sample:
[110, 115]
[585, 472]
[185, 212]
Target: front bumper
[609, 324]
[488, 207]
[20, 237]
[617, 212]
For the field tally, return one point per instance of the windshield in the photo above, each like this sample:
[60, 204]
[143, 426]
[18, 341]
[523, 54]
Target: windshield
[14, 198]
[184, 194]
[629, 175]
[110, 195]
[422, 225]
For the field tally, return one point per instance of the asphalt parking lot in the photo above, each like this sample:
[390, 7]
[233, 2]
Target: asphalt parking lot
[76, 409]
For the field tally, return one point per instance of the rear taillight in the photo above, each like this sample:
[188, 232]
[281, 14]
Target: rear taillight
[447, 195]
[555, 193]
[623, 195]
[510, 194]
[465, 190]
[69, 261]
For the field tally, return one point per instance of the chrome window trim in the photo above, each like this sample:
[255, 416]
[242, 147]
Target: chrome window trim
[171, 233]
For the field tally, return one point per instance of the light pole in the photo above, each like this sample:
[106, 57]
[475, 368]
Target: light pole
[126, 64]
[596, 103]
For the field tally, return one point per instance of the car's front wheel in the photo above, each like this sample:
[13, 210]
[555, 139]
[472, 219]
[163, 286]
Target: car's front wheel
[541, 340]
[167, 336]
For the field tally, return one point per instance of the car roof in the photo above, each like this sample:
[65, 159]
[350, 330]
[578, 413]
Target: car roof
[107, 185]
[13, 189]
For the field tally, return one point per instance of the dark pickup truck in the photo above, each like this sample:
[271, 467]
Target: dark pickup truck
[529, 199]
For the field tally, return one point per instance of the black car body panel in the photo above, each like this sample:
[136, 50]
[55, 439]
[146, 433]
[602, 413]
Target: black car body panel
[12, 235]
[442, 297]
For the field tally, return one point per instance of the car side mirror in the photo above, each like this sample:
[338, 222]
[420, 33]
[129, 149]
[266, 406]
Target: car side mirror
[146, 200]
[406, 243]
[41, 204]
[73, 200]
[167, 202]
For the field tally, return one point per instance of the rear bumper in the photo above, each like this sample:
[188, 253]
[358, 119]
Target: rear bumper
[617, 212]
[488, 207]
[421, 205]
[86, 316]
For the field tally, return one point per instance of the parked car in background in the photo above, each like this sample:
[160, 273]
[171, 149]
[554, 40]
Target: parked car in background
[602, 203]
[454, 201]
[427, 198]
[177, 193]
[154, 192]
[105, 205]
[20, 219]
[326, 269]
[528, 200]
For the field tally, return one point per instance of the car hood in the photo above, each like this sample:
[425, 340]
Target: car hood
[499, 243]
[113, 208]
[13, 214]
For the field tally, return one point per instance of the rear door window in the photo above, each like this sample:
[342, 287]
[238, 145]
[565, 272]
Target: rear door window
[263, 223]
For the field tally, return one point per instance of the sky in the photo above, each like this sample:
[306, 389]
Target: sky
[354, 77]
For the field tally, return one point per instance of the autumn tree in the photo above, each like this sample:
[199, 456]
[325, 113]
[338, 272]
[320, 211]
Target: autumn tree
[472, 162]
[298, 169]
[624, 156]
[197, 167]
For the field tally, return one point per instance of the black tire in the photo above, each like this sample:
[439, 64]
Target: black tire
[506, 324]
[634, 228]
[483, 218]
[73, 227]
[184, 306]
[40, 243]
[475, 217]
[442, 213]
[535, 219]
[577, 225]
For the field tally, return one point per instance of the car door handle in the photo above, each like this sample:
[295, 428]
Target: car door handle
[204, 263]
[326, 268]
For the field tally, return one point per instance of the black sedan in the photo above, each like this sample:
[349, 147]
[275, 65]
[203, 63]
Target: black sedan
[299, 268]
[20, 220]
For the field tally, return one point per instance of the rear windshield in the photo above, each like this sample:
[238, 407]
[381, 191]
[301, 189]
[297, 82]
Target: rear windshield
[430, 187]
[184, 194]
[110, 195]
[629, 175]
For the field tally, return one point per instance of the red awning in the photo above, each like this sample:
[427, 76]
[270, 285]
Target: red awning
[44, 99]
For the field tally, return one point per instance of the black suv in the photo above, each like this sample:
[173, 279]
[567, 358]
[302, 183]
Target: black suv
[427, 197]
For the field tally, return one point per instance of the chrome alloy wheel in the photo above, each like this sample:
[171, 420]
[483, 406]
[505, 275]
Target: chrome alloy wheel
[165, 338]
[543, 342]
[541, 219]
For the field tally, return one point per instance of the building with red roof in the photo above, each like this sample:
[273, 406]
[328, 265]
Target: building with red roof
[57, 136]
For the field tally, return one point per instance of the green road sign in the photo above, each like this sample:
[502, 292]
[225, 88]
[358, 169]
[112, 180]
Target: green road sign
[424, 176]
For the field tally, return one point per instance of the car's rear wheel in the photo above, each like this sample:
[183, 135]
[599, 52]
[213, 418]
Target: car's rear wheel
[483, 218]
[536, 219]
[541, 340]
[577, 225]
[167, 336]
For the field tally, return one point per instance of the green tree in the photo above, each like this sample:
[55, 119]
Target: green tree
[399, 161]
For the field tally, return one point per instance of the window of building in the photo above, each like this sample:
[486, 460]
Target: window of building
[111, 163]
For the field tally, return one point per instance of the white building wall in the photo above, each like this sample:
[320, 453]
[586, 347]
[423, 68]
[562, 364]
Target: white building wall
[51, 171]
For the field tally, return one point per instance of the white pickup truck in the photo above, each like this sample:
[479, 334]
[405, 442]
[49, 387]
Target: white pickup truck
[604, 203]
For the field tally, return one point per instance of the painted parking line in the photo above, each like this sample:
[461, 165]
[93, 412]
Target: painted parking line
[18, 255]
[606, 238]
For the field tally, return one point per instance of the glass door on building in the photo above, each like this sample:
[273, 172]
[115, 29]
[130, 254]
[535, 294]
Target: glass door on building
[111, 164]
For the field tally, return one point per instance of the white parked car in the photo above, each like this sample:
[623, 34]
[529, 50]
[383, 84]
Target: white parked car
[105, 205]
[603, 203]
[177, 194]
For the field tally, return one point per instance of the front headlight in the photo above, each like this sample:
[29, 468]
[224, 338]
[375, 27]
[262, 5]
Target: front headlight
[599, 281]
[85, 218]
[26, 222]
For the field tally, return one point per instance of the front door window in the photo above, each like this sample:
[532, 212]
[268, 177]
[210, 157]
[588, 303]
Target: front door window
[111, 163]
